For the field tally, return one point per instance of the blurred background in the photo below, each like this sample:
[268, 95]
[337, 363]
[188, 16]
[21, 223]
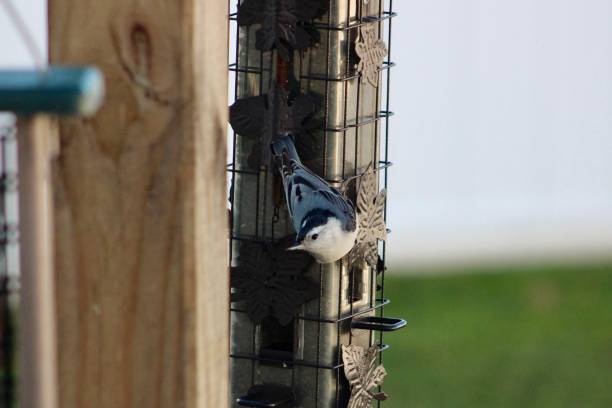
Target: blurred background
[500, 200]
[501, 204]
[503, 134]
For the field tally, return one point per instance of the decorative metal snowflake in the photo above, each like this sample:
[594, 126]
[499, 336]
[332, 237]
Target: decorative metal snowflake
[363, 375]
[264, 117]
[269, 280]
[371, 218]
[283, 23]
[371, 51]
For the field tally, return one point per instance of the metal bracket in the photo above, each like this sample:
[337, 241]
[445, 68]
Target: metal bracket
[375, 323]
[267, 396]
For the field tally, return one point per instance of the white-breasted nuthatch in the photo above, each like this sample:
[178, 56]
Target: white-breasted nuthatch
[325, 222]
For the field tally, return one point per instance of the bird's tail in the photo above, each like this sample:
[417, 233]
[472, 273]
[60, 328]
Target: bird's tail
[283, 148]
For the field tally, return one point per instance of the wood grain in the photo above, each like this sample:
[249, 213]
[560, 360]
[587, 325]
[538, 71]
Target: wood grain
[140, 198]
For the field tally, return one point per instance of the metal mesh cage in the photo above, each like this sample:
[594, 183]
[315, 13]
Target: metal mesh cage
[350, 134]
[9, 279]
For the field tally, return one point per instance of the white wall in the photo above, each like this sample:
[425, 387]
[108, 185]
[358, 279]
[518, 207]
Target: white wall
[504, 127]
[503, 122]
[13, 53]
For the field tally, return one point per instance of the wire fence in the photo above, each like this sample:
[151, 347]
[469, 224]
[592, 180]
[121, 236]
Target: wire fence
[9, 268]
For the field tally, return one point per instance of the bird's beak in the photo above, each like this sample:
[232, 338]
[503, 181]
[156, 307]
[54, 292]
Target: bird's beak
[298, 244]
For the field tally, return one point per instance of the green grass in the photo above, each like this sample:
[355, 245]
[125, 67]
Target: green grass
[534, 338]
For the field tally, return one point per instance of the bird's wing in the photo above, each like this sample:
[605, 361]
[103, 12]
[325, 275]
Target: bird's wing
[299, 182]
[336, 198]
[306, 191]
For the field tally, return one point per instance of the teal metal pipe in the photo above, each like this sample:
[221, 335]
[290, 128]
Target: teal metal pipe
[56, 90]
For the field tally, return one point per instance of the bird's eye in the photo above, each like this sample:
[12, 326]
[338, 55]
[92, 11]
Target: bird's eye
[315, 236]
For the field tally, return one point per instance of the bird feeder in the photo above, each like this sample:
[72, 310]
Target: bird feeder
[305, 334]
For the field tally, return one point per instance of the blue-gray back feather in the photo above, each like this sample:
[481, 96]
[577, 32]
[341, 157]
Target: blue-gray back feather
[309, 197]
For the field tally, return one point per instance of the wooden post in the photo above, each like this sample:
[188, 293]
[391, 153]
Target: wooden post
[38, 380]
[140, 206]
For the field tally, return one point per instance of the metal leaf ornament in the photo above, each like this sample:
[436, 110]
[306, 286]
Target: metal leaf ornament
[283, 23]
[363, 374]
[371, 51]
[269, 280]
[371, 218]
[264, 117]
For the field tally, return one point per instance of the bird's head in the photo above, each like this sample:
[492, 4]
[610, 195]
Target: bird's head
[325, 240]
